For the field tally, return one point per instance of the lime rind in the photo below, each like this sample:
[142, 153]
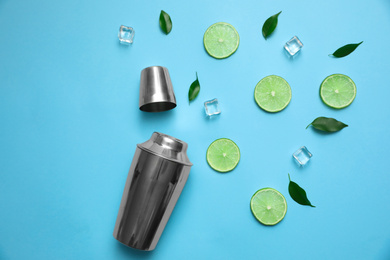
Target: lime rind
[215, 155]
[272, 93]
[268, 197]
[221, 40]
[338, 91]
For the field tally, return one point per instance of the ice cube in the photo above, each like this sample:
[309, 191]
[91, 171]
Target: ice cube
[211, 107]
[302, 155]
[293, 46]
[126, 35]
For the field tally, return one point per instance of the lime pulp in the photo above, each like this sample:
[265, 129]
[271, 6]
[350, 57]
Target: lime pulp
[272, 93]
[338, 91]
[268, 206]
[223, 155]
[221, 40]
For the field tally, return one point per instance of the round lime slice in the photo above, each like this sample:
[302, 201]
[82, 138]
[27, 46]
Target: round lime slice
[223, 155]
[221, 40]
[338, 91]
[273, 93]
[268, 206]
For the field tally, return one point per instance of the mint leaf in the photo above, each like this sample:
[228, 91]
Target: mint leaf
[165, 22]
[327, 124]
[194, 89]
[345, 50]
[298, 194]
[270, 25]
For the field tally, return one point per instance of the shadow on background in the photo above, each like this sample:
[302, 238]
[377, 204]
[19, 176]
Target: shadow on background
[386, 256]
[298, 166]
[289, 57]
[210, 118]
[384, 253]
[156, 118]
[2, 256]
[323, 133]
[122, 47]
[134, 253]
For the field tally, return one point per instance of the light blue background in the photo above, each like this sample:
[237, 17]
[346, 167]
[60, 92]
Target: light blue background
[70, 124]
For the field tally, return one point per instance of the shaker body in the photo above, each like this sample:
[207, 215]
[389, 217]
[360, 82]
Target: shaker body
[153, 186]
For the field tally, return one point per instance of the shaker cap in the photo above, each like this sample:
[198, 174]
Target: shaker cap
[156, 90]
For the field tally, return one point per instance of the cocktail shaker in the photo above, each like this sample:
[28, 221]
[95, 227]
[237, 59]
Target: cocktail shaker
[155, 90]
[156, 178]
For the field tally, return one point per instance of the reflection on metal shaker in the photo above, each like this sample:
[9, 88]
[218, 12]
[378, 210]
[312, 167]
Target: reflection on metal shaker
[157, 176]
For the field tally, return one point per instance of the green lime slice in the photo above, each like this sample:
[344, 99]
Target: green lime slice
[223, 155]
[273, 93]
[338, 91]
[221, 40]
[268, 206]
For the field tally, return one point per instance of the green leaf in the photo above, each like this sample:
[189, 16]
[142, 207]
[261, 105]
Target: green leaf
[327, 124]
[298, 194]
[345, 50]
[194, 89]
[165, 22]
[270, 25]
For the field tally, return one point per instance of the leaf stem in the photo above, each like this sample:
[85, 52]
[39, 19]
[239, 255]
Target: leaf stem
[309, 125]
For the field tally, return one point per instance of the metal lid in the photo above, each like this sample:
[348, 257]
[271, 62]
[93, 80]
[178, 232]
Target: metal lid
[156, 90]
[167, 147]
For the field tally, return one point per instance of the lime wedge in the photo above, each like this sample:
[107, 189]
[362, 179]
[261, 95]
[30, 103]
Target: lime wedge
[268, 206]
[221, 40]
[338, 91]
[272, 93]
[223, 155]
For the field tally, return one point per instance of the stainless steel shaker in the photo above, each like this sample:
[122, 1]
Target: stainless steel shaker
[157, 175]
[155, 90]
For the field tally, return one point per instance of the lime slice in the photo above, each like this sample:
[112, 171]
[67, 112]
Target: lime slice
[223, 155]
[221, 40]
[268, 206]
[338, 91]
[272, 93]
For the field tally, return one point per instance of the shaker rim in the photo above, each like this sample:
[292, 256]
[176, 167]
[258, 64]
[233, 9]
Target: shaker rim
[159, 141]
[165, 157]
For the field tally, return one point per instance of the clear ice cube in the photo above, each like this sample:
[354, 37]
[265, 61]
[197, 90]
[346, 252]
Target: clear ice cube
[302, 155]
[126, 35]
[293, 46]
[211, 107]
